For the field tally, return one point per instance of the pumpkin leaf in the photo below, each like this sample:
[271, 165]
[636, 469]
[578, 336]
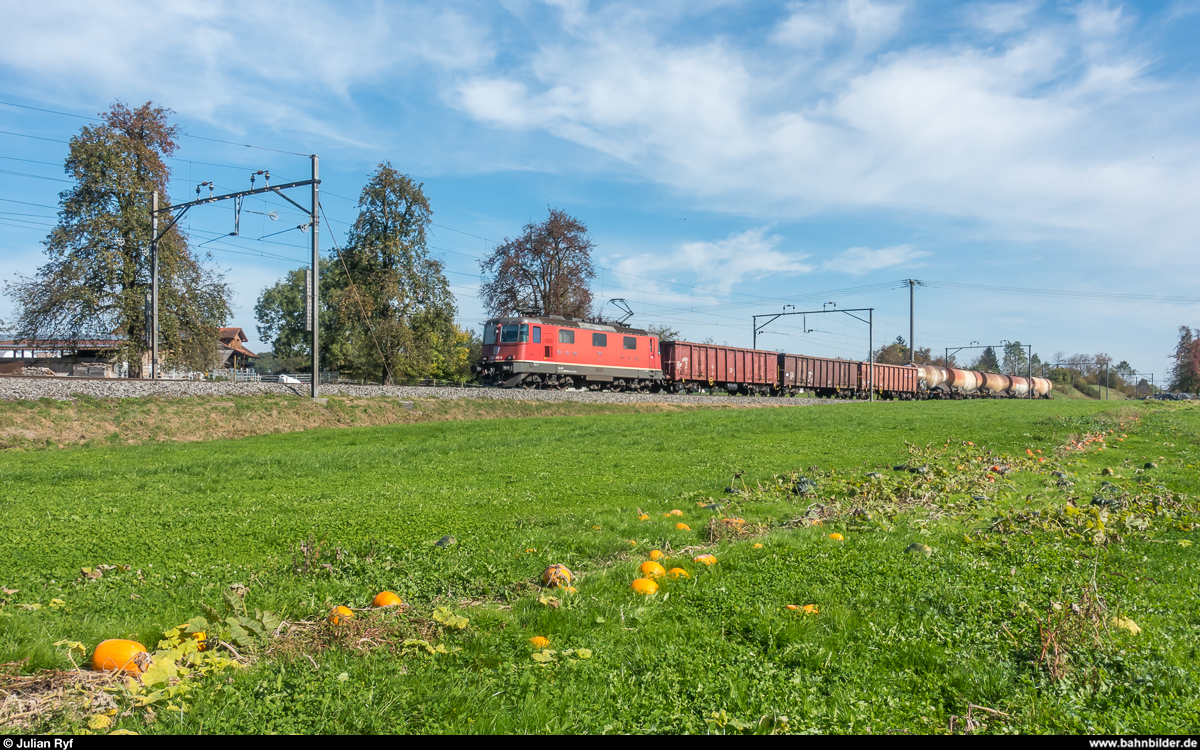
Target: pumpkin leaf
[449, 619]
[73, 647]
[210, 613]
[99, 721]
[160, 672]
[544, 656]
[196, 625]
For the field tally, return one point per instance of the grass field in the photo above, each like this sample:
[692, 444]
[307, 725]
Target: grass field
[1020, 618]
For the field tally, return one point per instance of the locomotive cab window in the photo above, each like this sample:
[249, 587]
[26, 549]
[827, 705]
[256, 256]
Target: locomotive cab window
[629, 342]
[508, 333]
[489, 334]
[537, 334]
[566, 336]
[600, 339]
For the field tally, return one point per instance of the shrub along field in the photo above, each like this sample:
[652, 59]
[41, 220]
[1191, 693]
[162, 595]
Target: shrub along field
[999, 566]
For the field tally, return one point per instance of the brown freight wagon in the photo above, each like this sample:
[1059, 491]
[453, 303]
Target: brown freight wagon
[824, 377]
[689, 367]
[891, 381]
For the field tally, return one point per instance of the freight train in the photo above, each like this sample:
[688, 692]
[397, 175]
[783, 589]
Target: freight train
[530, 351]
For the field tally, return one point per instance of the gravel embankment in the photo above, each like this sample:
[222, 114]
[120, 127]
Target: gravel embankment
[15, 388]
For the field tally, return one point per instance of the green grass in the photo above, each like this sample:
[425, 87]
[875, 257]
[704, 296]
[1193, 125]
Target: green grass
[902, 641]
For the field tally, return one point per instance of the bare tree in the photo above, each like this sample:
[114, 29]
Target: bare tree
[547, 268]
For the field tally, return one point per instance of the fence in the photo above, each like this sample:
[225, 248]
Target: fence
[330, 377]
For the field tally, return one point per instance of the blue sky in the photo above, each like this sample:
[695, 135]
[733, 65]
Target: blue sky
[728, 158]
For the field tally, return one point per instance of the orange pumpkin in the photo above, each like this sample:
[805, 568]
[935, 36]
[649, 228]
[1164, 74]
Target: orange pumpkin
[657, 554]
[117, 654]
[644, 586]
[706, 559]
[555, 576]
[651, 569]
[678, 573]
[386, 599]
[540, 641]
[683, 527]
[340, 614]
[677, 512]
[836, 537]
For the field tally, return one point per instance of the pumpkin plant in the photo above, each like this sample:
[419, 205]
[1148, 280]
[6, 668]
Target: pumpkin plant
[236, 625]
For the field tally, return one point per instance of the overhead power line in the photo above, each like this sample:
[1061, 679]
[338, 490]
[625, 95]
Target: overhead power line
[50, 111]
[1069, 294]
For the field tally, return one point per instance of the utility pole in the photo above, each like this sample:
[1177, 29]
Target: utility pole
[912, 344]
[177, 212]
[316, 284]
[154, 285]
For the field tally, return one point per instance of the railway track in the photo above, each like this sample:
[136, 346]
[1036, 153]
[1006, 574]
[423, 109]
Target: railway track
[33, 387]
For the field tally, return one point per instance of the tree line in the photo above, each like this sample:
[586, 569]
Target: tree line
[387, 313]
[386, 309]
[1084, 371]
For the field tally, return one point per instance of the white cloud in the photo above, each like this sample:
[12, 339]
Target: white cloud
[861, 260]
[808, 27]
[745, 256]
[1001, 18]
[1049, 132]
[223, 57]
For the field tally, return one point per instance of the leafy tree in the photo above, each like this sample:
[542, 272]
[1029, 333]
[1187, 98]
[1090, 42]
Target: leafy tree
[1015, 359]
[547, 269]
[281, 321]
[1185, 373]
[95, 283]
[391, 302]
[987, 361]
[280, 313]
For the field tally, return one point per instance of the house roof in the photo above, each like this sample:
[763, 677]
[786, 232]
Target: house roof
[233, 333]
[232, 338]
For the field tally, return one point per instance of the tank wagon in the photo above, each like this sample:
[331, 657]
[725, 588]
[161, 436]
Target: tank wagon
[529, 351]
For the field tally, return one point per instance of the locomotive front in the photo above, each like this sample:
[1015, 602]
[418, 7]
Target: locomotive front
[553, 352]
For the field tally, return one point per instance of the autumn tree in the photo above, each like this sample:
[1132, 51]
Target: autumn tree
[547, 268]
[663, 331]
[391, 302]
[895, 353]
[95, 283]
[1185, 373]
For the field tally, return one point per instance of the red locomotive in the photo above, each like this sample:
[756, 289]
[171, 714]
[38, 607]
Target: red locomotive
[530, 351]
[551, 352]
